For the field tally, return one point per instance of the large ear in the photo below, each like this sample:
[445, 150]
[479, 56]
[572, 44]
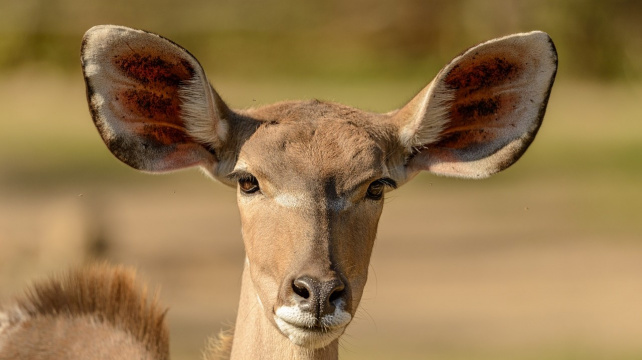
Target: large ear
[150, 100]
[482, 111]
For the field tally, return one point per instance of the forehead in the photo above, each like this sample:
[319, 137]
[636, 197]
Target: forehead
[314, 139]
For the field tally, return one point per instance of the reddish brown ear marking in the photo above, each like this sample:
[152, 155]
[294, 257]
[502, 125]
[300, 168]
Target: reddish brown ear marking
[152, 68]
[482, 107]
[150, 105]
[481, 72]
[466, 138]
[160, 78]
[477, 113]
[165, 134]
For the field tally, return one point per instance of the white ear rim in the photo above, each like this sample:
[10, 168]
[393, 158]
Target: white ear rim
[98, 36]
[482, 168]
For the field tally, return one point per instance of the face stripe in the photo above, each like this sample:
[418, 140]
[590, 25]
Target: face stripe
[293, 200]
[302, 200]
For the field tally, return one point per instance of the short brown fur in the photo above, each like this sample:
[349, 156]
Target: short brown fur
[101, 293]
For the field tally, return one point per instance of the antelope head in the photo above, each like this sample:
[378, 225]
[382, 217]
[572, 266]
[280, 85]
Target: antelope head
[311, 175]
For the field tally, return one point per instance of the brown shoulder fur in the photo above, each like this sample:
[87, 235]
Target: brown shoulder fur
[106, 293]
[219, 347]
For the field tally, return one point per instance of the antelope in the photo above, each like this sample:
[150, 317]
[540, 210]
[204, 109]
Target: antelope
[94, 312]
[311, 175]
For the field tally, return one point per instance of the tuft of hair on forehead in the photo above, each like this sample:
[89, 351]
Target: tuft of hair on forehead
[107, 294]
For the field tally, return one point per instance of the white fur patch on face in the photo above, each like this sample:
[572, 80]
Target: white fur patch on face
[301, 328]
[302, 200]
[293, 200]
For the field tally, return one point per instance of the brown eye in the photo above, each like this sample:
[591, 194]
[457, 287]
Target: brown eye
[375, 190]
[378, 187]
[248, 185]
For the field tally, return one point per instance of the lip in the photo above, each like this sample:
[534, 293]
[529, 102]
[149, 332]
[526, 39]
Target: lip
[306, 330]
[309, 336]
[313, 328]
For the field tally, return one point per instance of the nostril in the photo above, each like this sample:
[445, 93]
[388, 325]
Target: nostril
[337, 294]
[301, 288]
[319, 297]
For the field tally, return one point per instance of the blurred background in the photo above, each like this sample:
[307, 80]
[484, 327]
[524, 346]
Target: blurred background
[542, 261]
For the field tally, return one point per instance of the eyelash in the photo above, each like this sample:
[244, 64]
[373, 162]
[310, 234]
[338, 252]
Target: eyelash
[377, 188]
[248, 184]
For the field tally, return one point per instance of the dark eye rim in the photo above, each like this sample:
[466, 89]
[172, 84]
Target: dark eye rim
[242, 177]
[379, 186]
[252, 181]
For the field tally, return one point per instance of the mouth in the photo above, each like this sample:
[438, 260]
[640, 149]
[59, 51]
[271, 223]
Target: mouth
[306, 331]
[309, 337]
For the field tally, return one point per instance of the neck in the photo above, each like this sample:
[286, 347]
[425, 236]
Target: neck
[255, 337]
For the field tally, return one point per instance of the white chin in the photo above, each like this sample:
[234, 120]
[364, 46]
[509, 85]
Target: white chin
[306, 337]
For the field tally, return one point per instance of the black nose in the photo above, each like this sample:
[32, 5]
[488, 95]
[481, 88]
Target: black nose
[318, 297]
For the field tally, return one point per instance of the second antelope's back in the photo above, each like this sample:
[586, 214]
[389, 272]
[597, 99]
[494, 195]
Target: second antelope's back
[93, 313]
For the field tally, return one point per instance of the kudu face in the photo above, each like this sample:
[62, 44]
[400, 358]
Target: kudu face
[310, 196]
[311, 175]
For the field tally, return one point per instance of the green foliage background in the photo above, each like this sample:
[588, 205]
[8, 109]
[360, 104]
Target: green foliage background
[596, 39]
